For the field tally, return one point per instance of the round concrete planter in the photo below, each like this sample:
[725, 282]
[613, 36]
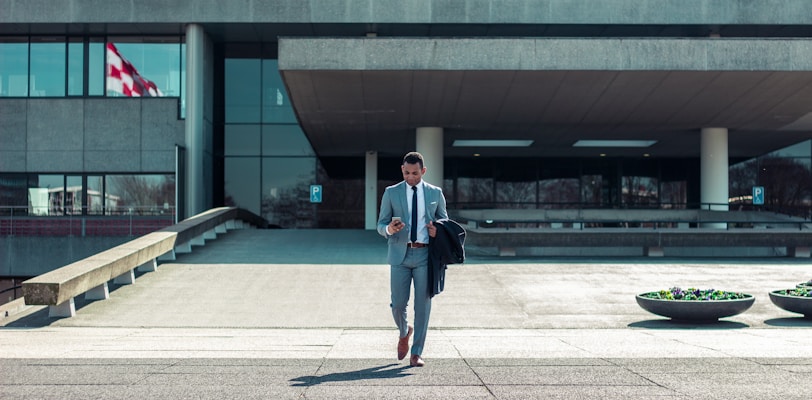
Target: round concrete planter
[796, 304]
[695, 310]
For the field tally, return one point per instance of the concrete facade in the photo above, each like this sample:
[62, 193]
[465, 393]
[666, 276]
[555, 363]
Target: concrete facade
[412, 11]
[90, 135]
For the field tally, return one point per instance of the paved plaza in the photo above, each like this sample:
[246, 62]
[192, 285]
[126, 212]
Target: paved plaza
[304, 314]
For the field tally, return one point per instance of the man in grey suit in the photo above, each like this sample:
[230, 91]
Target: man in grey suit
[408, 249]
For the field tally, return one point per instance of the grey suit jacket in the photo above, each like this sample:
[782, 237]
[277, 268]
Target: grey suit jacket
[393, 203]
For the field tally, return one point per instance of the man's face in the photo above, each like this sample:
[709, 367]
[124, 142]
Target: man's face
[412, 173]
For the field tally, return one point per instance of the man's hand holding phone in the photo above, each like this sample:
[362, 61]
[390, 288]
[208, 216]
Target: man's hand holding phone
[396, 225]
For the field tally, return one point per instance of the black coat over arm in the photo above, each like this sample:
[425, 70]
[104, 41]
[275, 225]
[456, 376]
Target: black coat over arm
[447, 247]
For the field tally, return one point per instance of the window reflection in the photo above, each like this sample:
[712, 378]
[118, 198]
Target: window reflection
[13, 191]
[242, 93]
[559, 193]
[13, 67]
[143, 69]
[286, 191]
[276, 107]
[591, 190]
[76, 67]
[95, 195]
[640, 191]
[241, 183]
[515, 194]
[803, 149]
[674, 194]
[242, 140]
[54, 66]
[787, 184]
[95, 67]
[47, 67]
[285, 140]
[140, 194]
[73, 195]
[46, 195]
[475, 192]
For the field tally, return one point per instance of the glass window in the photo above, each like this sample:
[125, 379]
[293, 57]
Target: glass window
[242, 91]
[13, 67]
[95, 67]
[344, 208]
[241, 183]
[787, 184]
[76, 67]
[140, 194]
[285, 140]
[640, 190]
[47, 67]
[45, 195]
[286, 191]
[153, 63]
[475, 192]
[242, 140]
[803, 149]
[276, 107]
[13, 194]
[741, 179]
[559, 185]
[674, 194]
[183, 80]
[95, 193]
[591, 186]
[599, 183]
[73, 195]
[475, 184]
[559, 193]
[516, 183]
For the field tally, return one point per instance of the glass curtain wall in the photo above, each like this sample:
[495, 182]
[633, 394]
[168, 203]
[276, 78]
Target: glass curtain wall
[785, 175]
[60, 66]
[268, 162]
[87, 194]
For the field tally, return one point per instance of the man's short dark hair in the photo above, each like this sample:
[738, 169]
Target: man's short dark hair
[413, 157]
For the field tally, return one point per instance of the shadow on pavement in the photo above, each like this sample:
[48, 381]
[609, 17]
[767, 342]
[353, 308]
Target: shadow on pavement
[674, 324]
[790, 322]
[40, 318]
[367, 373]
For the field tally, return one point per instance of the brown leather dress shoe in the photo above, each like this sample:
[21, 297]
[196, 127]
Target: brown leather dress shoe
[416, 361]
[403, 344]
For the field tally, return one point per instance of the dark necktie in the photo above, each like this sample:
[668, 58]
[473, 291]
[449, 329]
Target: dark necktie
[414, 215]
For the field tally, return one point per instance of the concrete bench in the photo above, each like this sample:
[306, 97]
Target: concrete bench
[797, 242]
[90, 276]
[651, 230]
[581, 218]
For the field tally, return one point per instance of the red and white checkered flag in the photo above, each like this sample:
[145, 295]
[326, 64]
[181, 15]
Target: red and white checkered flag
[122, 77]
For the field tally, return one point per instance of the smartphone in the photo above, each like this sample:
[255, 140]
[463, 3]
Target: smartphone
[396, 219]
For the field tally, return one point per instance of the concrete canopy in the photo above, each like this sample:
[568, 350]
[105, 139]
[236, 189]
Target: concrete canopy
[352, 95]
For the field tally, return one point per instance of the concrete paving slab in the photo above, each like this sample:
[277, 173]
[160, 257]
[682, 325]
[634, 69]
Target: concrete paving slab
[305, 314]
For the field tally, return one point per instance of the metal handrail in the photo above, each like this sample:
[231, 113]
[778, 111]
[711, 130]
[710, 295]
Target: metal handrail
[652, 224]
[122, 221]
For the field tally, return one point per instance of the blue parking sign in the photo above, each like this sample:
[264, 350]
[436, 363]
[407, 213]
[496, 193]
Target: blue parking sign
[758, 195]
[315, 193]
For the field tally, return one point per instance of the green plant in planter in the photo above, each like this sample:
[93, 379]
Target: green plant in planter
[797, 292]
[797, 300]
[695, 304]
[676, 293]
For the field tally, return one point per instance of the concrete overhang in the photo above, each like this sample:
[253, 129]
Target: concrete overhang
[352, 95]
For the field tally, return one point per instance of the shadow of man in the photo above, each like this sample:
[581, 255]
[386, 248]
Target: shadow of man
[368, 373]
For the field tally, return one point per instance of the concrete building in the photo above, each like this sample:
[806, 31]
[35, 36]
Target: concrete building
[529, 104]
